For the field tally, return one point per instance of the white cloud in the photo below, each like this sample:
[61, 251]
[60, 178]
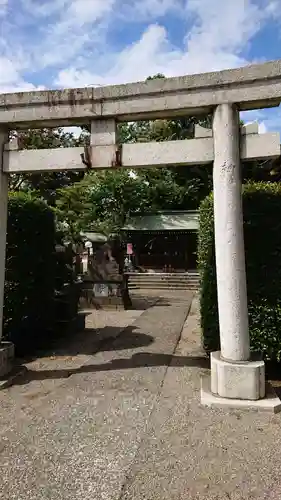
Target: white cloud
[8, 71]
[150, 55]
[268, 119]
[148, 10]
[219, 34]
[68, 11]
[222, 25]
[11, 79]
[54, 32]
[273, 8]
[271, 119]
[19, 86]
[73, 45]
[44, 8]
[80, 25]
[3, 7]
[74, 36]
[88, 11]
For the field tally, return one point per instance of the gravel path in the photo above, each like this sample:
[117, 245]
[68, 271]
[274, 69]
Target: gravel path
[192, 452]
[127, 424]
[70, 353]
[49, 370]
[71, 429]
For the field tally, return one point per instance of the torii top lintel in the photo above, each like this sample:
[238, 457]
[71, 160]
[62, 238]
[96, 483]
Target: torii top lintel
[250, 87]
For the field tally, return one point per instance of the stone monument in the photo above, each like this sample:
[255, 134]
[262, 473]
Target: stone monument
[103, 282]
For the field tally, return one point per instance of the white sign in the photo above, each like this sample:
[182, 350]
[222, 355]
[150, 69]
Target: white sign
[100, 290]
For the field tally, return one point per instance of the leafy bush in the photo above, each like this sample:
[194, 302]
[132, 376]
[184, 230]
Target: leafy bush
[262, 233]
[29, 281]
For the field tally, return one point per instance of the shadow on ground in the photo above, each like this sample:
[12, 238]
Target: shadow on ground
[136, 361]
[273, 374]
[142, 302]
[128, 339]
[87, 340]
[91, 340]
[139, 302]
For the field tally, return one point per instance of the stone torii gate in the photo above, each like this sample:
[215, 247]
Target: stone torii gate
[235, 378]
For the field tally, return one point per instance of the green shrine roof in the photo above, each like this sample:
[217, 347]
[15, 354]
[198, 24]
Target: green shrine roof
[94, 237]
[167, 221]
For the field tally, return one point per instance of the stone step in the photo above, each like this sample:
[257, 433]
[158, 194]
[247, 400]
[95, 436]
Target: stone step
[141, 283]
[164, 275]
[163, 287]
[163, 281]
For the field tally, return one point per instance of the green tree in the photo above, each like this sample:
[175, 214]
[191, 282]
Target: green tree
[101, 202]
[108, 197]
[45, 185]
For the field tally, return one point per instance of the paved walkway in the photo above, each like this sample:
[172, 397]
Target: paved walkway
[127, 423]
[72, 432]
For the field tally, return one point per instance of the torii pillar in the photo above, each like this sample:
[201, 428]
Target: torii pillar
[236, 379]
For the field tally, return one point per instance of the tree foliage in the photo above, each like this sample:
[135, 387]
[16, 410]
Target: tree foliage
[44, 185]
[262, 234]
[30, 279]
[103, 200]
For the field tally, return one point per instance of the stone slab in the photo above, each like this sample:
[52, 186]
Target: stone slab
[237, 380]
[200, 132]
[186, 152]
[270, 402]
[251, 87]
[250, 128]
[7, 353]
[12, 376]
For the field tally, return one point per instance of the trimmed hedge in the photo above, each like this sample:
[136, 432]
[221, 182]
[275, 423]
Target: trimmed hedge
[30, 272]
[262, 233]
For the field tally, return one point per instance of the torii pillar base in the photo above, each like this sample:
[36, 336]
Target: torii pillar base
[238, 385]
[270, 403]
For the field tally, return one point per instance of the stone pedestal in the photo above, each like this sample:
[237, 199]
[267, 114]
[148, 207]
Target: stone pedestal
[270, 403]
[7, 353]
[245, 380]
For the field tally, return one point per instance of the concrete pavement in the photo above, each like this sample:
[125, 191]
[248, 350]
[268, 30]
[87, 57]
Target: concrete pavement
[80, 439]
[128, 424]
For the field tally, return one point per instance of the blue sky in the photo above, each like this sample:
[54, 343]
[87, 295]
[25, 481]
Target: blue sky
[73, 43]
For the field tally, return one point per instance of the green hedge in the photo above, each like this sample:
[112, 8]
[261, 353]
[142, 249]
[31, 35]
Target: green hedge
[30, 277]
[262, 233]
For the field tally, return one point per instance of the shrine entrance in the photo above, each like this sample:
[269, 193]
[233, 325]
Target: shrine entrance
[164, 251]
[223, 94]
[165, 241]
